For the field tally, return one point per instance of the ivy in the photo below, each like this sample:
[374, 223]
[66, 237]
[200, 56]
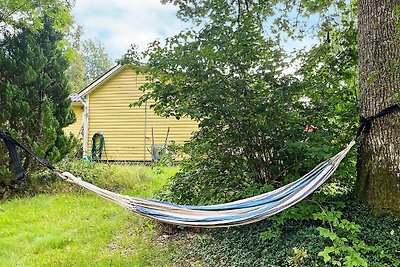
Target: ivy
[346, 248]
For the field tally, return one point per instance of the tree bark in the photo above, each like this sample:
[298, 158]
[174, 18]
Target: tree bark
[378, 165]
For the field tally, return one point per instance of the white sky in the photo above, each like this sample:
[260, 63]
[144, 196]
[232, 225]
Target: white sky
[119, 23]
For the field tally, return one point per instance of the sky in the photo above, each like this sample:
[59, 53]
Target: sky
[119, 23]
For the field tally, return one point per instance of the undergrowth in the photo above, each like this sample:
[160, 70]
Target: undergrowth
[118, 178]
[323, 233]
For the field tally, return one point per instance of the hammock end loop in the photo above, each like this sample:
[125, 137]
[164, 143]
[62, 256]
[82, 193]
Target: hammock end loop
[69, 177]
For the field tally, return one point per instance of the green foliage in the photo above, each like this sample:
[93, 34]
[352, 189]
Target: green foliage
[132, 180]
[330, 74]
[350, 235]
[77, 69]
[29, 13]
[346, 248]
[270, 234]
[98, 173]
[299, 255]
[96, 60]
[243, 246]
[282, 18]
[88, 58]
[34, 94]
[348, 245]
[166, 155]
[133, 58]
[227, 76]
[396, 10]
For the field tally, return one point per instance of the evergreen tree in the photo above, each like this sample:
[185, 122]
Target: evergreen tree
[34, 94]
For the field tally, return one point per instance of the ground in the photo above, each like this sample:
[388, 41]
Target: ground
[67, 226]
[80, 229]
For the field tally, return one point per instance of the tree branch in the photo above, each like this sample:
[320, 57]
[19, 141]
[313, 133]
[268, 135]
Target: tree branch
[13, 11]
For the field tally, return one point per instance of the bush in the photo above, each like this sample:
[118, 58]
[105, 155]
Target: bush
[253, 124]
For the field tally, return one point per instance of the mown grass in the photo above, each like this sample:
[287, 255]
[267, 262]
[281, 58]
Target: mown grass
[81, 229]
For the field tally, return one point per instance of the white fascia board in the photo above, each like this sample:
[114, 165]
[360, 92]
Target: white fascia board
[102, 79]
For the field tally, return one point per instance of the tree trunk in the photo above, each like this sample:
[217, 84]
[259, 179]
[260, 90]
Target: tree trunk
[378, 166]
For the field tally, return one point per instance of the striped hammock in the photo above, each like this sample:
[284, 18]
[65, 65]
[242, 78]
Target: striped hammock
[239, 212]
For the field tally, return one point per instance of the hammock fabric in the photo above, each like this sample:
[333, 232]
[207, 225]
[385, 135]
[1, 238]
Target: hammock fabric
[239, 212]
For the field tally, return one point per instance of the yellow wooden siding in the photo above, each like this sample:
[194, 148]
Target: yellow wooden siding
[76, 127]
[127, 131]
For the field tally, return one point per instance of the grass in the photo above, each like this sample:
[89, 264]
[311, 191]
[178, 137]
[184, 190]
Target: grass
[66, 226]
[79, 229]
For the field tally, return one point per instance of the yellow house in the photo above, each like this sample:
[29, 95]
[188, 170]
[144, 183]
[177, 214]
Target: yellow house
[76, 128]
[129, 133]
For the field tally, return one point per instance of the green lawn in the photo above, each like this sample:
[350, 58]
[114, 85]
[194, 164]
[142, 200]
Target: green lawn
[74, 229]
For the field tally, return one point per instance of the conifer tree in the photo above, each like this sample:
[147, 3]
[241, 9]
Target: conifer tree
[34, 94]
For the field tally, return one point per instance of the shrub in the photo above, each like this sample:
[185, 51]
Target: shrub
[254, 121]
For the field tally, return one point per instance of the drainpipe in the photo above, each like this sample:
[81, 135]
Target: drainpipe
[85, 120]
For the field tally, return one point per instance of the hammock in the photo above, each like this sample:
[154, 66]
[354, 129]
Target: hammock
[239, 212]
[235, 213]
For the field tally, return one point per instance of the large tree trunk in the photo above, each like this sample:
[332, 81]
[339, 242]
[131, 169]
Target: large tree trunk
[378, 178]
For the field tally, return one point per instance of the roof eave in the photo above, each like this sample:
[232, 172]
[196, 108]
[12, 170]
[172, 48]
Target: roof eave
[102, 79]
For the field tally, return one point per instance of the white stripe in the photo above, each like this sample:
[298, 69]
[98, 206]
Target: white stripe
[185, 213]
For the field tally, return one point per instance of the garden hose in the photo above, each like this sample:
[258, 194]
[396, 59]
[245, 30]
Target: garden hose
[97, 148]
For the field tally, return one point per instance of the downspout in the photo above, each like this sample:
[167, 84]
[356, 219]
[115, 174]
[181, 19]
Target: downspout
[85, 119]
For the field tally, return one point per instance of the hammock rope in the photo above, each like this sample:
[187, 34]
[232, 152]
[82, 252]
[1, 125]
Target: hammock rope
[238, 212]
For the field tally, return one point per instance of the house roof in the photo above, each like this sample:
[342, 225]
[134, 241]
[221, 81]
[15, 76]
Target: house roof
[102, 79]
[76, 99]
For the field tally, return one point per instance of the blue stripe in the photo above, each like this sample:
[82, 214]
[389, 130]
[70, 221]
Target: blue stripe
[267, 209]
[253, 203]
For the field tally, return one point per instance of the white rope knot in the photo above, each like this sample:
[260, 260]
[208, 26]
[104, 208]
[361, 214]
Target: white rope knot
[70, 177]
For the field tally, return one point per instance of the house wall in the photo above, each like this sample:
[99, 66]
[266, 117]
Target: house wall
[76, 127]
[128, 131]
